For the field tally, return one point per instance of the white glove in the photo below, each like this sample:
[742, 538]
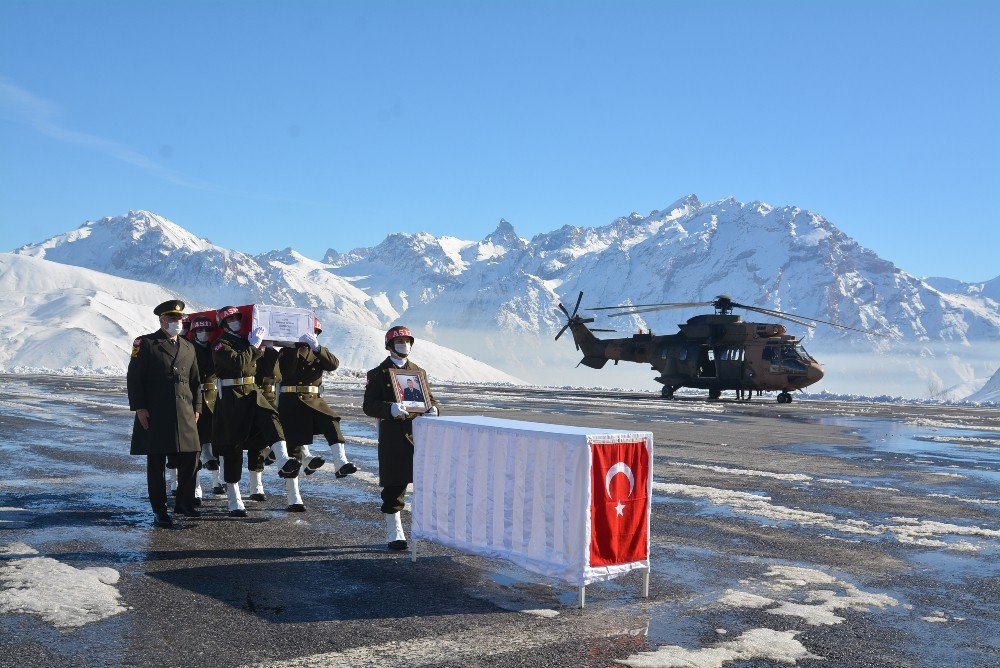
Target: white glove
[398, 411]
[432, 412]
[312, 340]
[256, 336]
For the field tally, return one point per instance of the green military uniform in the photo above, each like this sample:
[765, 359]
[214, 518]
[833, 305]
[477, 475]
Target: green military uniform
[242, 409]
[306, 413]
[395, 447]
[163, 379]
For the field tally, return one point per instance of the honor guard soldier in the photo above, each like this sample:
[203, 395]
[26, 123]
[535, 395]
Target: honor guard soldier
[163, 391]
[201, 332]
[242, 407]
[395, 431]
[303, 411]
[258, 447]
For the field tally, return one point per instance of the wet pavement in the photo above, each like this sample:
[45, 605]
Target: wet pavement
[815, 533]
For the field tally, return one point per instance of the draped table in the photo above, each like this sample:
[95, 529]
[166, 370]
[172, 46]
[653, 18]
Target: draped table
[570, 503]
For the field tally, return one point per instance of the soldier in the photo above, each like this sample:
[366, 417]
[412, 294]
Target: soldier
[163, 391]
[258, 447]
[395, 431]
[303, 411]
[201, 330]
[242, 407]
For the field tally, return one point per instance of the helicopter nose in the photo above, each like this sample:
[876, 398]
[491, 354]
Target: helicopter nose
[814, 373]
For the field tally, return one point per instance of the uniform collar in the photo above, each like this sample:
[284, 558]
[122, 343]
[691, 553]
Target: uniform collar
[399, 362]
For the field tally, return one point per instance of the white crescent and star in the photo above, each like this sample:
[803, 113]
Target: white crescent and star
[623, 468]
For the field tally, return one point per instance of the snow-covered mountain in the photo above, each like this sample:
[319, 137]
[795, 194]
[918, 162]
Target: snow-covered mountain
[495, 299]
[57, 317]
[990, 392]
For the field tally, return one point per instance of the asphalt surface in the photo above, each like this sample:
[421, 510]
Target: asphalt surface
[861, 534]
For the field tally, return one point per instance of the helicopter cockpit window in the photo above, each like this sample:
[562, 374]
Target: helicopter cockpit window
[789, 352]
[804, 354]
[792, 366]
[725, 354]
[683, 355]
[770, 353]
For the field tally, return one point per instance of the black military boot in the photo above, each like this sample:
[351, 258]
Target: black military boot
[314, 463]
[346, 470]
[162, 519]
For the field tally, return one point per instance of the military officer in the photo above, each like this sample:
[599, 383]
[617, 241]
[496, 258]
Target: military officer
[395, 431]
[303, 411]
[163, 391]
[242, 407]
[202, 329]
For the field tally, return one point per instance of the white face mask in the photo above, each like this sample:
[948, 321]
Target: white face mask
[202, 336]
[234, 326]
[174, 328]
[402, 348]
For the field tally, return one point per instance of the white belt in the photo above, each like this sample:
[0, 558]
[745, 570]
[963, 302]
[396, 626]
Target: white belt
[307, 389]
[228, 382]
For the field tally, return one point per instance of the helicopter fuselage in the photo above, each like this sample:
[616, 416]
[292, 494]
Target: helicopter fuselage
[712, 352]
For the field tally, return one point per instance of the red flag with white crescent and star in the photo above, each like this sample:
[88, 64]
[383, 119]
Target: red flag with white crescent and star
[619, 507]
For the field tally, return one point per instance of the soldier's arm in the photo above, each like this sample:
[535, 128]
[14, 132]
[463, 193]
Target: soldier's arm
[229, 362]
[374, 405]
[135, 377]
[288, 363]
[327, 360]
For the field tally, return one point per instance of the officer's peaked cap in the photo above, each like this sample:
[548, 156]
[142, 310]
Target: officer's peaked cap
[172, 307]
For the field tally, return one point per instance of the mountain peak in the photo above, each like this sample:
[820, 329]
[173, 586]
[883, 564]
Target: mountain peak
[505, 236]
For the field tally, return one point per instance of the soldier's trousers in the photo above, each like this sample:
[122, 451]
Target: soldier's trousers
[266, 430]
[156, 482]
[393, 499]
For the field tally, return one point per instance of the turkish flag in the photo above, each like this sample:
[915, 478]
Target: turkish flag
[619, 507]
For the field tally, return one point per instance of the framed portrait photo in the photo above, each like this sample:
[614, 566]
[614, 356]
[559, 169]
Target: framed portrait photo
[411, 390]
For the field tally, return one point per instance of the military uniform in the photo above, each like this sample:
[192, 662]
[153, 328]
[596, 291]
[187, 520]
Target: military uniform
[245, 415]
[395, 445]
[267, 377]
[163, 379]
[303, 410]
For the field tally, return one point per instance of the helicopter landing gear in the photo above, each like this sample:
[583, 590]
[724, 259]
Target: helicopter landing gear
[714, 395]
[784, 398]
[667, 391]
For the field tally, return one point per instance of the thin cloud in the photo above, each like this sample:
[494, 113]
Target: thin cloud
[44, 117]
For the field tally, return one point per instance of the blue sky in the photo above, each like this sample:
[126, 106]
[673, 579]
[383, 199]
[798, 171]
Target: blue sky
[324, 124]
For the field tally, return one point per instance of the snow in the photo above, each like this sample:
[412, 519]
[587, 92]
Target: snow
[989, 392]
[62, 595]
[756, 644]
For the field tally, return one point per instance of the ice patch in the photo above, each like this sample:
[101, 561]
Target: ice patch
[907, 530]
[756, 644]
[806, 593]
[60, 594]
[795, 477]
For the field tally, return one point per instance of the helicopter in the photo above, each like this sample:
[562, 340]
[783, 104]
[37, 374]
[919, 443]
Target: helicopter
[714, 352]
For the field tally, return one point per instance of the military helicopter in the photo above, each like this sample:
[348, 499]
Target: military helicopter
[714, 352]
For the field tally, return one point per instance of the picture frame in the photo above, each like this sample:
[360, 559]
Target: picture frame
[411, 389]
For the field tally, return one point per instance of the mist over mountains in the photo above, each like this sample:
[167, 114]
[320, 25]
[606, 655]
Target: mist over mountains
[495, 299]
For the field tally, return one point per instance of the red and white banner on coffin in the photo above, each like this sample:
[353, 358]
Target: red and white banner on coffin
[619, 503]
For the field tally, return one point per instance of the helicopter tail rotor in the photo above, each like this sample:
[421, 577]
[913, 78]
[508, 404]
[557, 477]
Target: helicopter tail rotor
[574, 319]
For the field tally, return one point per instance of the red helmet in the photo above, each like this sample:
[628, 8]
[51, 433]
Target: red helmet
[229, 312]
[317, 325]
[201, 323]
[398, 332]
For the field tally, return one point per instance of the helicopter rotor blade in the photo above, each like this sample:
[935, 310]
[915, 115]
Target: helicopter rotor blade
[600, 329]
[583, 321]
[806, 320]
[578, 300]
[565, 327]
[563, 309]
[663, 305]
[651, 309]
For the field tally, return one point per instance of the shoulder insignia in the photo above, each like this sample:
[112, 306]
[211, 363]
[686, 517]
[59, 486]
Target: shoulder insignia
[218, 346]
[136, 345]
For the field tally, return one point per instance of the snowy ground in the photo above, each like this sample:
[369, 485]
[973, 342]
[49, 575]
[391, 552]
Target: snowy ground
[819, 533]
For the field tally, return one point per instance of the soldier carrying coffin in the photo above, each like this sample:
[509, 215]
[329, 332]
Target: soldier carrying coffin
[304, 412]
[242, 407]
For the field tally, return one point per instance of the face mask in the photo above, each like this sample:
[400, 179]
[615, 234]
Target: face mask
[202, 336]
[234, 326]
[402, 348]
[174, 328]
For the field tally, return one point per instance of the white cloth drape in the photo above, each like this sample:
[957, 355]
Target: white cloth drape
[511, 489]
